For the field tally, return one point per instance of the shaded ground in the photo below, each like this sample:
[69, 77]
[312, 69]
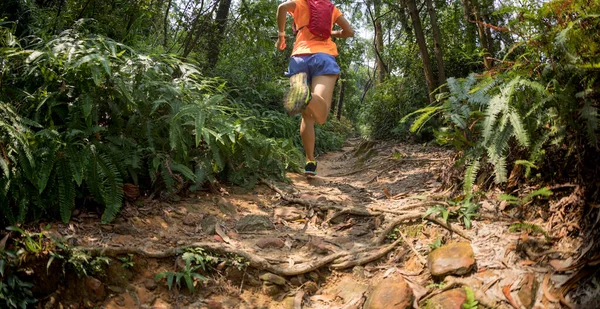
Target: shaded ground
[333, 239]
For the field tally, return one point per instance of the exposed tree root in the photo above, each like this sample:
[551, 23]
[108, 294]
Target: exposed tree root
[372, 257]
[413, 216]
[254, 260]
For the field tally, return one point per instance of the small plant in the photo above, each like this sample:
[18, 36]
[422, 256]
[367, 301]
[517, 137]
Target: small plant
[514, 200]
[528, 228]
[393, 235]
[436, 285]
[127, 261]
[470, 302]
[436, 244]
[14, 292]
[463, 211]
[188, 274]
[33, 244]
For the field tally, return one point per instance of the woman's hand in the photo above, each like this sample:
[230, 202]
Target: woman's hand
[280, 42]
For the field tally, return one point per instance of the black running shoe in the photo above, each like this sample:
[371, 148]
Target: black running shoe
[298, 96]
[310, 169]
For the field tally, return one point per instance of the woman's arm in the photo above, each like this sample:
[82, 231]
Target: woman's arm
[346, 31]
[282, 10]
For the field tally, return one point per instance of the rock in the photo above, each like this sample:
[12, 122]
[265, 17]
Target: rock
[390, 293]
[451, 259]
[310, 287]
[288, 213]
[348, 289]
[150, 284]
[95, 289]
[271, 289]
[160, 304]
[226, 207]
[451, 299]
[208, 225]
[269, 277]
[192, 219]
[270, 242]
[251, 223]
[529, 287]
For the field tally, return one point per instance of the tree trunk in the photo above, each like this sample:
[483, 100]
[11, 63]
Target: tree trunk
[216, 38]
[382, 70]
[473, 15]
[437, 42]
[470, 29]
[420, 36]
[166, 23]
[340, 101]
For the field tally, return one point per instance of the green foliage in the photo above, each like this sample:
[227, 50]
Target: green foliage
[14, 292]
[470, 302]
[198, 260]
[83, 115]
[436, 244]
[528, 228]
[127, 261]
[462, 210]
[513, 200]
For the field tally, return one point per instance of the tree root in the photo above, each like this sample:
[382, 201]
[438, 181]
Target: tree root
[413, 216]
[254, 260]
[372, 257]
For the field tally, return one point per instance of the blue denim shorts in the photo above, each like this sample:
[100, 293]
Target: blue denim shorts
[313, 65]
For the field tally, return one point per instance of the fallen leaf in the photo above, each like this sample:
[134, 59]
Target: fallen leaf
[561, 265]
[389, 272]
[526, 262]
[324, 298]
[298, 299]
[220, 232]
[387, 193]
[3, 241]
[546, 291]
[506, 292]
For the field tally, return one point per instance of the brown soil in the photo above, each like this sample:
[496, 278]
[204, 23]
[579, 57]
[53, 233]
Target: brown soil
[344, 212]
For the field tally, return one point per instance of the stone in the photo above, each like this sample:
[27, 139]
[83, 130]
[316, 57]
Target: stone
[311, 287]
[349, 289]
[270, 242]
[226, 207]
[160, 304]
[252, 223]
[269, 277]
[150, 284]
[452, 259]
[95, 289]
[451, 299]
[390, 293]
[288, 213]
[209, 224]
[192, 219]
[271, 289]
[528, 290]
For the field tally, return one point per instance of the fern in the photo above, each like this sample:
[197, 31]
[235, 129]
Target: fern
[470, 177]
[66, 189]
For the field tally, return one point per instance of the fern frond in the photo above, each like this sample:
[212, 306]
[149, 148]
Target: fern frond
[112, 191]
[519, 131]
[540, 192]
[470, 177]
[66, 189]
[589, 113]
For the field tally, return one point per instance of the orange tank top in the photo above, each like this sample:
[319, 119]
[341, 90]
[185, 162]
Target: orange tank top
[306, 42]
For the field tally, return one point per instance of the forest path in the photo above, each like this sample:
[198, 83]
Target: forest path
[352, 237]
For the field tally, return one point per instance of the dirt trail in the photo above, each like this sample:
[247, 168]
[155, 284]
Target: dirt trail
[333, 238]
